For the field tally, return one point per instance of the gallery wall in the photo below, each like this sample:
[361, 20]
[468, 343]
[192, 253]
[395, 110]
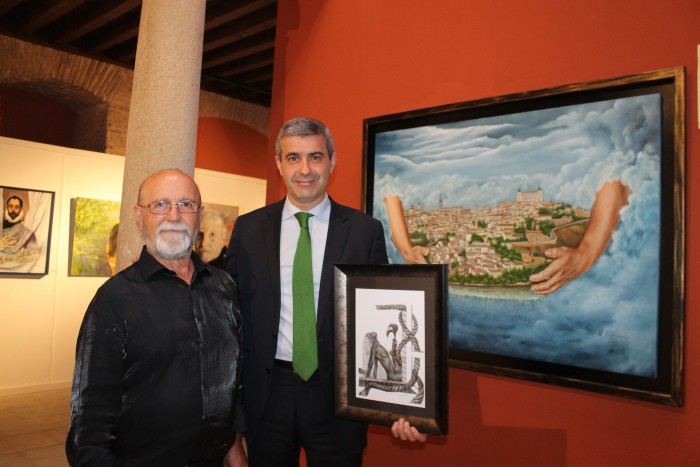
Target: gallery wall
[231, 147]
[343, 62]
[40, 316]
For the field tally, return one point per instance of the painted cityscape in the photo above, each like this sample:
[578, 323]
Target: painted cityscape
[496, 245]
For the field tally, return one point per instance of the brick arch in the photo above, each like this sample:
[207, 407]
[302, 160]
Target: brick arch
[99, 93]
[93, 90]
[72, 96]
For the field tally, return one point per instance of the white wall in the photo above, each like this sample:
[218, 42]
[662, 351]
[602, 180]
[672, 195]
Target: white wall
[40, 317]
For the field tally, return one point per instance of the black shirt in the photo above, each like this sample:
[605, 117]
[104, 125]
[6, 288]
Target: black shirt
[157, 372]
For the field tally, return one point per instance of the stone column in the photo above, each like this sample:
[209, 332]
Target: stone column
[162, 131]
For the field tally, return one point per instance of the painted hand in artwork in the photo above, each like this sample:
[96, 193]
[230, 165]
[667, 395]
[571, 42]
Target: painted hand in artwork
[7, 241]
[412, 254]
[570, 263]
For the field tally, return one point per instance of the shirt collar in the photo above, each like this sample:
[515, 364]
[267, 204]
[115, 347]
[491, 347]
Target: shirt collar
[321, 211]
[148, 265]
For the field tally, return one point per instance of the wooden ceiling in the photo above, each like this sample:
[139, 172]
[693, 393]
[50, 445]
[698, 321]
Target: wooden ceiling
[239, 37]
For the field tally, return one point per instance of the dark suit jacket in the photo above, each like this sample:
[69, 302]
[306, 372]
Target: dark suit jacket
[254, 262]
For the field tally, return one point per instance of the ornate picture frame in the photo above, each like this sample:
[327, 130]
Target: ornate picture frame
[391, 340]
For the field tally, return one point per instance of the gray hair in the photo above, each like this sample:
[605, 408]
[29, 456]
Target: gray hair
[304, 127]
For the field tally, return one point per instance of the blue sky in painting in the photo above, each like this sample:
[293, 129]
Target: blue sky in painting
[607, 318]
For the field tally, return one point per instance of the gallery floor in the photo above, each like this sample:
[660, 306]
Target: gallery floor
[33, 428]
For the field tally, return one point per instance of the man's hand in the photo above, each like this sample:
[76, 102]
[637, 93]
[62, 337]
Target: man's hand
[236, 456]
[402, 429]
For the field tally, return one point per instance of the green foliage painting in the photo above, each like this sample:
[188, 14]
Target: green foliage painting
[92, 225]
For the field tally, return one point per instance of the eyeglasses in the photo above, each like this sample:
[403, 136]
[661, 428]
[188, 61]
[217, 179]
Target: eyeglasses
[163, 207]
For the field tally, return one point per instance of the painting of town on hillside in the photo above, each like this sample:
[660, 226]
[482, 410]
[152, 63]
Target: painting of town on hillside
[496, 245]
[500, 198]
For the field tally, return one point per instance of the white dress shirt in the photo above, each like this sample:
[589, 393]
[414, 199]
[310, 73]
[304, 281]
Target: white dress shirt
[318, 228]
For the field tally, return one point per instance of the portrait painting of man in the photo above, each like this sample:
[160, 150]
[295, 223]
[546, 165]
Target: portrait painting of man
[26, 230]
[214, 232]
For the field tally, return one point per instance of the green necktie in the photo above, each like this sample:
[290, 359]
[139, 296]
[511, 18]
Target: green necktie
[304, 352]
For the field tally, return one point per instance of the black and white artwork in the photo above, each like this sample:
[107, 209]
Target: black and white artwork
[390, 348]
[391, 344]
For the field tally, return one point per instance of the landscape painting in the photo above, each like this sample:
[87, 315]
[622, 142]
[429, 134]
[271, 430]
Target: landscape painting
[93, 242]
[556, 218]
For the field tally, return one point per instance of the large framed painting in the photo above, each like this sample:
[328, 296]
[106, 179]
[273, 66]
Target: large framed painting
[560, 214]
[391, 344]
[25, 235]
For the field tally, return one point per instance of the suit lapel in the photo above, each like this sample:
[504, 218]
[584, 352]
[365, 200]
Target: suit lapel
[271, 235]
[338, 230]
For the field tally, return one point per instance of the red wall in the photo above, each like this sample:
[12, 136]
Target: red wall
[342, 62]
[228, 146]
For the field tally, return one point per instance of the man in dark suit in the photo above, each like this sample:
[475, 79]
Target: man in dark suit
[285, 408]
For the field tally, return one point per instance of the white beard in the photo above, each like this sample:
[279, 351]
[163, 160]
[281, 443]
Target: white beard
[171, 245]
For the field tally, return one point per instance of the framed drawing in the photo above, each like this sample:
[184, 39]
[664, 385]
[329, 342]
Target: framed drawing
[93, 239]
[391, 339]
[560, 214]
[25, 236]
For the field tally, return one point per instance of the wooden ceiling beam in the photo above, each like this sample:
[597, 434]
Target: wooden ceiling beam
[97, 17]
[46, 13]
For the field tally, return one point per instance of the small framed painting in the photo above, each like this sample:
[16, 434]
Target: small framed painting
[25, 235]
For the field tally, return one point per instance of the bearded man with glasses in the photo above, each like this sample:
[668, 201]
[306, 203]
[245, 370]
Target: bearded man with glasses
[157, 372]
